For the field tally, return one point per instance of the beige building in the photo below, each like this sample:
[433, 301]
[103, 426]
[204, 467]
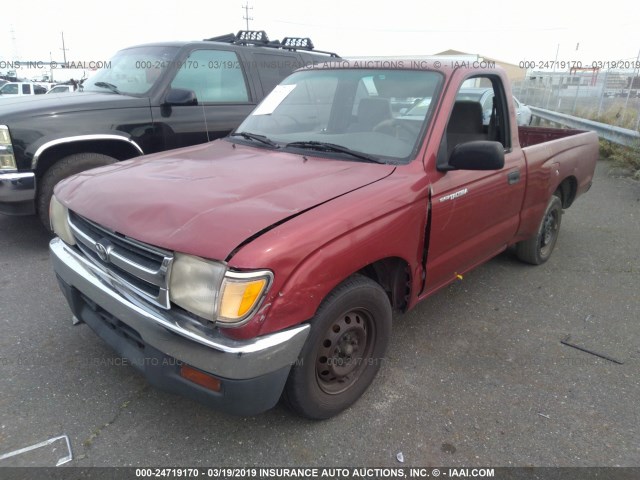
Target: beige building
[514, 72]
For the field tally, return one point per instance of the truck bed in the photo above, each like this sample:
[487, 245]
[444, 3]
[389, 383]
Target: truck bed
[553, 154]
[535, 135]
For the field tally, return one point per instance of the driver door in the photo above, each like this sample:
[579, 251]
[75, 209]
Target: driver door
[475, 213]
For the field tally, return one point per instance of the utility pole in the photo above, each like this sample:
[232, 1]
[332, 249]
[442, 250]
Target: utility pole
[64, 50]
[575, 101]
[246, 16]
[16, 54]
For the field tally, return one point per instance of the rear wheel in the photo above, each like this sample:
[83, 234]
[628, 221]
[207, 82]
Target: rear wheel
[64, 168]
[537, 249]
[344, 351]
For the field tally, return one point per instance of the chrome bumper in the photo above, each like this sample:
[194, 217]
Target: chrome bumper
[175, 336]
[17, 193]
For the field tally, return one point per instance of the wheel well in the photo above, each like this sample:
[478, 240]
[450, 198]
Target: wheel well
[393, 275]
[118, 150]
[567, 190]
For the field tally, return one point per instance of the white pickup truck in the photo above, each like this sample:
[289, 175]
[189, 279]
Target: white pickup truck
[16, 89]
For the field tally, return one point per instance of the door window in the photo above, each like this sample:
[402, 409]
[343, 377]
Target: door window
[214, 75]
[479, 113]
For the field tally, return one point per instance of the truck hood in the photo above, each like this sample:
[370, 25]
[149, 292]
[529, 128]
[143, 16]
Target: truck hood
[55, 104]
[209, 199]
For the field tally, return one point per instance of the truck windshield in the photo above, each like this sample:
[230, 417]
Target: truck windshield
[335, 110]
[132, 71]
[9, 89]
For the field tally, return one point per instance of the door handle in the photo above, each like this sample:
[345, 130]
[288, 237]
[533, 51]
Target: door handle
[513, 177]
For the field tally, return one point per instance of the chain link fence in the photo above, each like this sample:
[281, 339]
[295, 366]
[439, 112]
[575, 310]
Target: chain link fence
[610, 96]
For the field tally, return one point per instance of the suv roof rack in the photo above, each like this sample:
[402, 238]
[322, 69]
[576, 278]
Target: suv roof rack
[259, 38]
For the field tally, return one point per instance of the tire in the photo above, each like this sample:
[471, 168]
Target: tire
[537, 249]
[67, 166]
[344, 351]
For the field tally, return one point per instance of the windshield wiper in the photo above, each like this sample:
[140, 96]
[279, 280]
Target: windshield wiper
[256, 137]
[108, 85]
[332, 147]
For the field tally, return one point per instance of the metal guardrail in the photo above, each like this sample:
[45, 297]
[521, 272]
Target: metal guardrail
[621, 136]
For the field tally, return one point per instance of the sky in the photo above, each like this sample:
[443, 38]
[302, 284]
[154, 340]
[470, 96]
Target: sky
[510, 31]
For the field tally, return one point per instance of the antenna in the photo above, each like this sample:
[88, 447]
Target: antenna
[246, 16]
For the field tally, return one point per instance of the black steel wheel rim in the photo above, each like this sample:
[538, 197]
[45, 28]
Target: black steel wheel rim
[549, 232]
[345, 351]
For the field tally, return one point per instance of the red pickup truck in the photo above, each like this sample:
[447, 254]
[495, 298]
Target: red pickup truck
[267, 264]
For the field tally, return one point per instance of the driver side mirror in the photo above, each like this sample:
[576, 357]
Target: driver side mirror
[181, 97]
[477, 155]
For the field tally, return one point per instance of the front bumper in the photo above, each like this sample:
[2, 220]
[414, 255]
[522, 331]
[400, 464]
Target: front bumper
[155, 341]
[17, 193]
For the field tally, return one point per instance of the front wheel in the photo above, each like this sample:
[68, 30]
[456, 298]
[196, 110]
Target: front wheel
[537, 249]
[344, 351]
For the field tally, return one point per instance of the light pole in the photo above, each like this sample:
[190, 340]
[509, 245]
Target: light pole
[553, 74]
[626, 102]
[50, 68]
[604, 87]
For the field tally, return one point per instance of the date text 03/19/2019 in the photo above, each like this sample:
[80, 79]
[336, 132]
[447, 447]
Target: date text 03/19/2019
[315, 472]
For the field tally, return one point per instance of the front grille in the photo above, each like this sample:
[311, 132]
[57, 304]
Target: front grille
[142, 268]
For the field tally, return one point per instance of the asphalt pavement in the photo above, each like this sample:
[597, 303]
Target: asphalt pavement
[475, 376]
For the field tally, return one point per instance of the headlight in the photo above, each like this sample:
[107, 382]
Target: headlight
[7, 159]
[209, 290]
[195, 284]
[59, 218]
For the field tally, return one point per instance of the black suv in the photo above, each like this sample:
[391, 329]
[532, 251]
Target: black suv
[150, 98]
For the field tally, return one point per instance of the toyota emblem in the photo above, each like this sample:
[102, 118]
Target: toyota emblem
[103, 250]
